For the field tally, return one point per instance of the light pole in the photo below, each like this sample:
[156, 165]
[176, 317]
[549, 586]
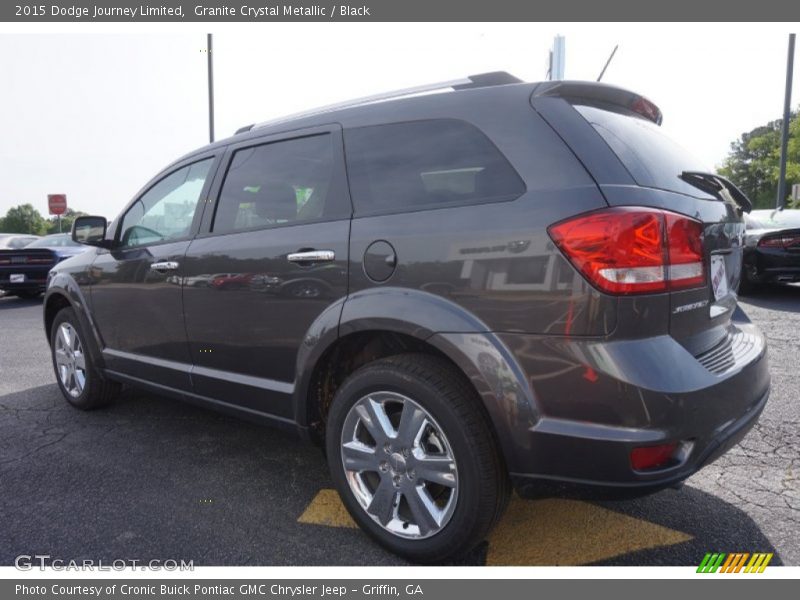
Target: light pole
[557, 59]
[787, 101]
[209, 47]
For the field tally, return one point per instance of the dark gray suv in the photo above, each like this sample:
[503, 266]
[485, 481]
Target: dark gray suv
[500, 283]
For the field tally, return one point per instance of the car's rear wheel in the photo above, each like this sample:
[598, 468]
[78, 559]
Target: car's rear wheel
[413, 458]
[77, 375]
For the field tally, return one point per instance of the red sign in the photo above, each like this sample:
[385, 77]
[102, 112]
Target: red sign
[57, 203]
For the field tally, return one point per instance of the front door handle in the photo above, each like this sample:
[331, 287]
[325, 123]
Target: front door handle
[169, 265]
[312, 256]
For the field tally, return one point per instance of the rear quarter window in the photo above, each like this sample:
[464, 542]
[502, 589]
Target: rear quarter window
[426, 164]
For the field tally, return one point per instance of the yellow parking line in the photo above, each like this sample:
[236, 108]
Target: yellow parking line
[570, 532]
[327, 509]
[539, 532]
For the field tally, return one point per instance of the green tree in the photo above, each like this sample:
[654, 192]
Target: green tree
[754, 161]
[66, 221]
[24, 219]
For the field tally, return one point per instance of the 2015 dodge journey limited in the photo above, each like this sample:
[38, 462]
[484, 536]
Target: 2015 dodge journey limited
[455, 290]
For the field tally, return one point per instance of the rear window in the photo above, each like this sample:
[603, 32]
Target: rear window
[653, 159]
[426, 164]
[55, 241]
[775, 219]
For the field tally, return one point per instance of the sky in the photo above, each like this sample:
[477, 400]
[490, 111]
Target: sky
[96, 115]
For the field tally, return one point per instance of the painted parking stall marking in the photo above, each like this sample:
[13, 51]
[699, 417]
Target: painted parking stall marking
[539, 532]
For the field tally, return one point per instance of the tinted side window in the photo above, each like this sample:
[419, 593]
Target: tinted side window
[276, 183]
[166, 210]
[425, 164]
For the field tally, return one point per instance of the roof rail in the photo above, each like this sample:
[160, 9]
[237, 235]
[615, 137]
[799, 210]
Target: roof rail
[472, 81]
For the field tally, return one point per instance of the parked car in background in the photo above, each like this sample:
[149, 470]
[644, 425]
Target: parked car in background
[13, 241]
[772, 248]
[23, 271]
[500, 283]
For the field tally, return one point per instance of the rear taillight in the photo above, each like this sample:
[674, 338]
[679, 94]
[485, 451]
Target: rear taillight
[629, 250]
[780, 241]
[684, 251]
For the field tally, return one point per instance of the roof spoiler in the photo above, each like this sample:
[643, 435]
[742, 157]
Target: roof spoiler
[718, 186]
[600, 92]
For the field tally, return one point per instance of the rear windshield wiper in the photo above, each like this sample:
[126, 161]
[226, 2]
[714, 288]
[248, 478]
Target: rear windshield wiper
[718, 186]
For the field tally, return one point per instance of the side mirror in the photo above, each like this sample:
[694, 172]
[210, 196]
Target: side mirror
[90, 231]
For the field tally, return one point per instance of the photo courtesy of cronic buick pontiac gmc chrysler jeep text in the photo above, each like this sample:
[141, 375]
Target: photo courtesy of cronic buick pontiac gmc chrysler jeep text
[500, 284]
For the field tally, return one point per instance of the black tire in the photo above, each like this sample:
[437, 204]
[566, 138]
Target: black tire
[28, 295]
[483, 484]
[97, 390]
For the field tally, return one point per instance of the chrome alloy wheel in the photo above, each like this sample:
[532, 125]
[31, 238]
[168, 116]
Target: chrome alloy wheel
[399, 465]
[70, 360]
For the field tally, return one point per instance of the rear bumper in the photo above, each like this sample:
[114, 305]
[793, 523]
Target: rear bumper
[607, 453]
[610, 397]
[780, 275]
[34, 285]
[768, 266]
[35, 278]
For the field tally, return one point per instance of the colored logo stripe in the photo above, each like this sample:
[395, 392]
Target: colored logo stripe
[733, 563]
[711, 562]
[758, 563]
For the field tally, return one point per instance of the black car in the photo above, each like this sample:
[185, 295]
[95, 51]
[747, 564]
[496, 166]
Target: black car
[526, 284]
[772, 247]
[23, 270]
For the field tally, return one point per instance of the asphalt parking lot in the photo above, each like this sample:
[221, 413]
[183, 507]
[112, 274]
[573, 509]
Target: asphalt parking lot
[149, 478]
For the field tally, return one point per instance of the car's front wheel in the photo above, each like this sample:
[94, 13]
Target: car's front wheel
[413, 458]
[80, 380]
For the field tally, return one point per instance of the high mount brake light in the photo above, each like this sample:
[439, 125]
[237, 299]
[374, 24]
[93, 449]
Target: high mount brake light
[645, 108]
[630, 250]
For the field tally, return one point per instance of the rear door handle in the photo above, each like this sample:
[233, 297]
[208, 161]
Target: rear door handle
[312, 256]
[169, 265]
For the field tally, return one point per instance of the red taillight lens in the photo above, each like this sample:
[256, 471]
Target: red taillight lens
[652, 457]
[685, 250]
[781, 241]
[629, 250]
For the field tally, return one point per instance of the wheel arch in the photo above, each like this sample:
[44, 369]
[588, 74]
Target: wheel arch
[64, 292]
[383, 322]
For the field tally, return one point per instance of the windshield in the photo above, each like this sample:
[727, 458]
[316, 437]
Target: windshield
[53, 241]
[773, 219]
[653, 159]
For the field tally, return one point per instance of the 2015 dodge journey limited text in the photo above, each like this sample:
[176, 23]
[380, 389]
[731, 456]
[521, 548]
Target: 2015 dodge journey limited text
[455, 290]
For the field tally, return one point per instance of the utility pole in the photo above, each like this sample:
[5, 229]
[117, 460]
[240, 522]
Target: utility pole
[787, 101]
[209, 47]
